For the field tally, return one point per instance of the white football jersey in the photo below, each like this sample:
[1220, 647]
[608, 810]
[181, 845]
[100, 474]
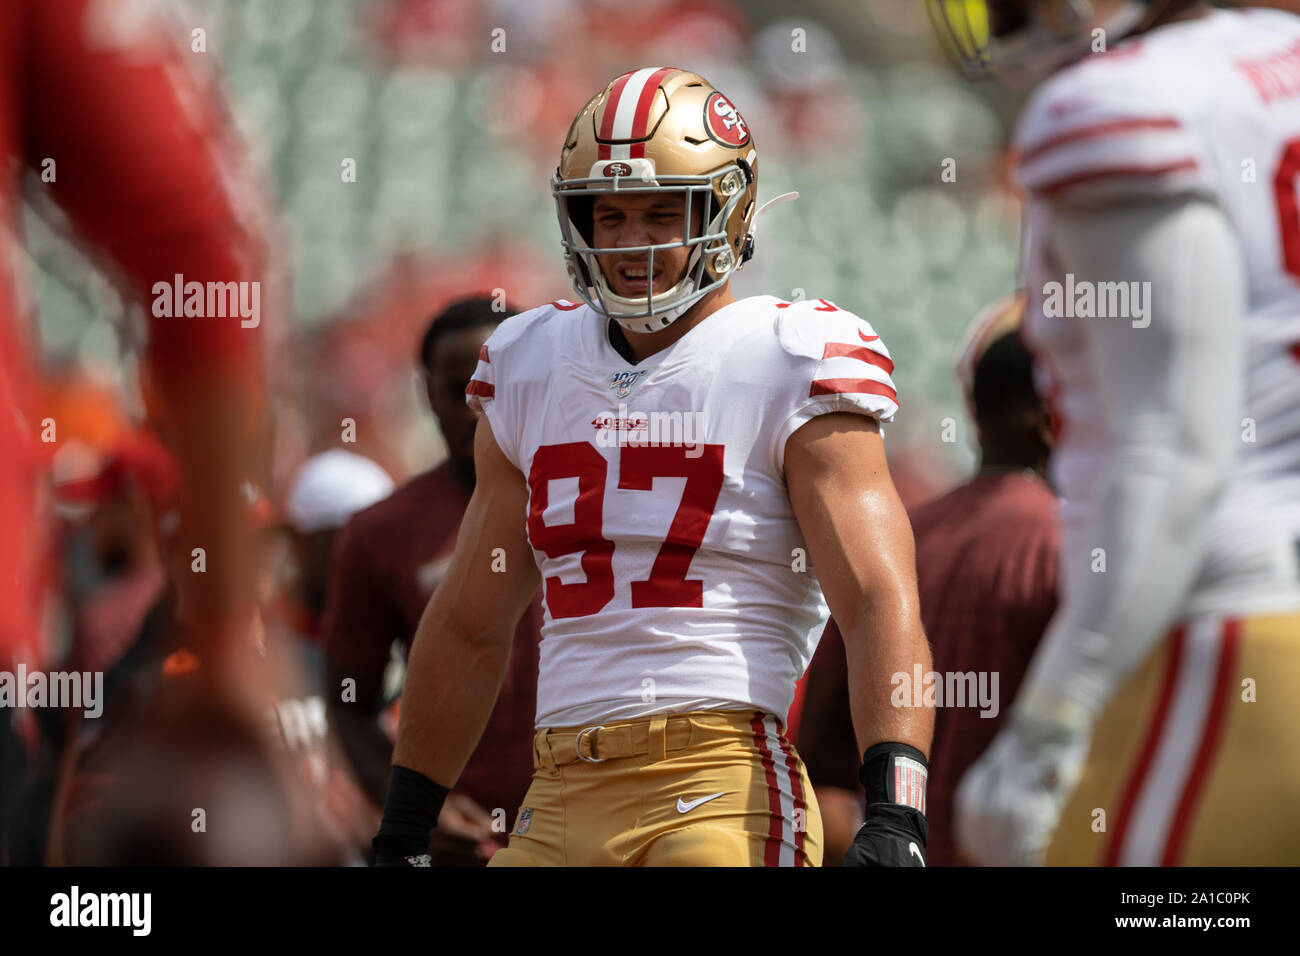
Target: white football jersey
[674, 573]
[1210, 105]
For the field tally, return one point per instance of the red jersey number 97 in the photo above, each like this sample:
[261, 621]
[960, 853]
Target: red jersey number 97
[639, 465]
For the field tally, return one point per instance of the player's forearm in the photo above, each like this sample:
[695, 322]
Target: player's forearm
[452, 680]
[884, 641]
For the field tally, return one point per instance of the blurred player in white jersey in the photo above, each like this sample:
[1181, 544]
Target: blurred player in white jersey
[688, 471]
[1159, 156]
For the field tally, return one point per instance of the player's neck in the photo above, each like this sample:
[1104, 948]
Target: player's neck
[641, 345]
[1003, 461]
[1014, 437]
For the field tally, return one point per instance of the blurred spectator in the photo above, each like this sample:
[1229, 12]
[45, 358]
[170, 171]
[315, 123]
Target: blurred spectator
[990, 544]
[135, 489]
[388, 561]
[113, 577]
[327, 491]
[987, 574]
[357, 368]
[445, 33]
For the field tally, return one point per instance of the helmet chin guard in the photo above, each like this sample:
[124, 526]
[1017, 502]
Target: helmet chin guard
[658, 131]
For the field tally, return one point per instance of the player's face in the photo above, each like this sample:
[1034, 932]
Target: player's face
[455, 356]
[643, 219]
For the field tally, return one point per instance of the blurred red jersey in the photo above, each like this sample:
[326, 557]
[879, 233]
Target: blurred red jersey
[986, 562]
[100, 105]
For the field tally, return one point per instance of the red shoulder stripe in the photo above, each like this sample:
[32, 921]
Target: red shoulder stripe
[1099, 129]
[859, 352]
[843, 386]
[1109, 171]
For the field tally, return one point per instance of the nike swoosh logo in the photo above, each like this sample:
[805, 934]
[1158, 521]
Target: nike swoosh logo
[912, 848]
[867, 338]
[684, 807]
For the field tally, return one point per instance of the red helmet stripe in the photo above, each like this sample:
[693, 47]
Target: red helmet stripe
[642, 118]
[611, 108]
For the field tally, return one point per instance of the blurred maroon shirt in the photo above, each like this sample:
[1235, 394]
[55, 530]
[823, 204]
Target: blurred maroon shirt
[986, 561]
[387, 562]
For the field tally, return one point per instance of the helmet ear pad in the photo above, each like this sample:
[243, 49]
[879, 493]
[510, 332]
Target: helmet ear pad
[579, 210]
[580, 214]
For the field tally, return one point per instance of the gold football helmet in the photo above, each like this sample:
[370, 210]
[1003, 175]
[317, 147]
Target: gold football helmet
[652, 130]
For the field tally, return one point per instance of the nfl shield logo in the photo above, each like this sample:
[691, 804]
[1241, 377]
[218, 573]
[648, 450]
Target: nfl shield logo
[622, 382]
[525, 820]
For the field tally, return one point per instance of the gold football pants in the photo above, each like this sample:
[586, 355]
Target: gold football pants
[707, 788]
[1196, 759]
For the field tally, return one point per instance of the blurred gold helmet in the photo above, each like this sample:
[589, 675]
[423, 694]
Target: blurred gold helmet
[653, 130]
[1022, 41]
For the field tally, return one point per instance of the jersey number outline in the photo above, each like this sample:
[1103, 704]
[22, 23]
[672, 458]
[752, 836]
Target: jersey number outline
[1288, 213]
[639, 465]
[1288, 209]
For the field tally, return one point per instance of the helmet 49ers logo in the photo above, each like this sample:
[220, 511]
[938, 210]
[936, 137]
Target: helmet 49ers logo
[724, 122]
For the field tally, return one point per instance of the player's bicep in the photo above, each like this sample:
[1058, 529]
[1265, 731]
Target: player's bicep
[853, 523]
[492, 576]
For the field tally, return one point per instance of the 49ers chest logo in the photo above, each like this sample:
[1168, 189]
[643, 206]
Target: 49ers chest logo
[724, 123]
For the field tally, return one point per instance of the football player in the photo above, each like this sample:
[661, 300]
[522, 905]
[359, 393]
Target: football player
[675, 463]
[1159, 154]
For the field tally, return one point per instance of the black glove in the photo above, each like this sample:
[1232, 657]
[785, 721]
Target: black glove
[895, 829]
[411, 811]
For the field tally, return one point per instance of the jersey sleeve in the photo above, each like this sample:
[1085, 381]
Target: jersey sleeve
[1109, 129]
[836, 363]
[493, 391]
